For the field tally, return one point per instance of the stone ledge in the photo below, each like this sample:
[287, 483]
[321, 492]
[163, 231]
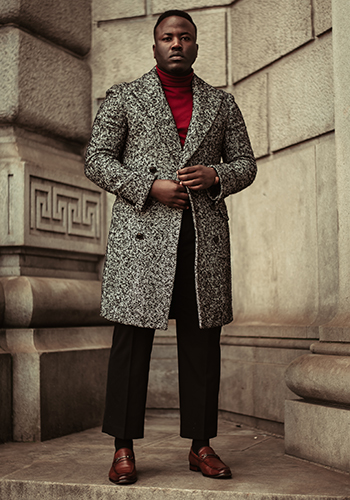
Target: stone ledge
[318, 432]
[29, 302]
[320, 377]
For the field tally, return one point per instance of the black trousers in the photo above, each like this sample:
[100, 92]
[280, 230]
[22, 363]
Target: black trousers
[198, 361]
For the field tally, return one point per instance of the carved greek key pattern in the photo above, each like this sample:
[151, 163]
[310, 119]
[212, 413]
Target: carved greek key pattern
[65, 209]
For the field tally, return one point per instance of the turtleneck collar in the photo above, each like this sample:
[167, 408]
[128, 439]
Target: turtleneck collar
[174, 81]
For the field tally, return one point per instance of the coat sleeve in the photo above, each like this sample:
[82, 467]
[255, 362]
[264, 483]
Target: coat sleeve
[104, 154]
[238, 169]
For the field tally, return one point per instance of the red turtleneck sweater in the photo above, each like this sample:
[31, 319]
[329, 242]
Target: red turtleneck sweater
[178, 91]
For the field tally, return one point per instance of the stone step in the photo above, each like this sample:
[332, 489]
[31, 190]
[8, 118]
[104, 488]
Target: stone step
[75, 467]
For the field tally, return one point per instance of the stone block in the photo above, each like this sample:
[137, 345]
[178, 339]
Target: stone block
[334, 334]
[301, 94]
[322, 16]
[50, 209]
[251, 96]
[59, 378]
[211, 62]
[114, 59]
[237, 380]
[72, 391]
[159, 6]
[274, 243]
[252, 380]
[46, 89]
[272, 332]
[341, 45]
[327, 229]
[5, 396]
[262, 32]
[318, 433]
[65, 23]
[103, 10]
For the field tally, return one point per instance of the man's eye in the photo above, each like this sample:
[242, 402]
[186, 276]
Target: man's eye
[186, 38]
[166, 39]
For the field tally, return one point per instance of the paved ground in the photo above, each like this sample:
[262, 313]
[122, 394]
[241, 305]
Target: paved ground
[76, 467]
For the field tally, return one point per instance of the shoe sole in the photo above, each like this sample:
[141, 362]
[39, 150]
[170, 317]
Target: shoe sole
[123, 480]
[195, 468]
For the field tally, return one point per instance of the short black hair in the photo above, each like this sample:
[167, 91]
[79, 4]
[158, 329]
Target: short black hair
[174, 12]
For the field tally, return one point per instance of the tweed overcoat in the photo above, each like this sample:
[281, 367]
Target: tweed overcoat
[135, 141]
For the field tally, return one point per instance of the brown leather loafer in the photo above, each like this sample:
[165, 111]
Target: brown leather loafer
[208, 462]
[123, 470]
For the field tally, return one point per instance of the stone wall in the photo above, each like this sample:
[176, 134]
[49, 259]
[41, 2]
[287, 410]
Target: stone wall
[276, 58]
[52, 225]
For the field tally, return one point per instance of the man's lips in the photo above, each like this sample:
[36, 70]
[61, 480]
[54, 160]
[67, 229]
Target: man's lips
[176, 55]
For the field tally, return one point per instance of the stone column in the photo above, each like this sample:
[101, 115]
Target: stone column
[317, 426]
[52, 224]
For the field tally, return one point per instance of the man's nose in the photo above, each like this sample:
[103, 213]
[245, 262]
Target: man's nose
[177, 45]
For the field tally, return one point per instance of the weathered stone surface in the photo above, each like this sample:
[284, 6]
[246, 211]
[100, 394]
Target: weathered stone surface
[5, 396]
[45, 89]
[301, 94]
[322, 16]
[72, 391]
[262, 32]
[336, 348]
[327, 229]
[280, 333]
[318, 433]
[341, 40]
[114, 59]
[75, 467]
[251, 96]
[50, 208]
[55, 21]
[274, 243]
[249, 374]
[59, 377]
[44, 302]
[163, 389]
[211, 62]
[317, 376]
[103, 10]
[334, 334]
[159, 6]
[46, 263]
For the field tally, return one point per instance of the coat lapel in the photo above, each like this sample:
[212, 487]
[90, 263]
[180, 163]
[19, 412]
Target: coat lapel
[150, 96]
[206, 104]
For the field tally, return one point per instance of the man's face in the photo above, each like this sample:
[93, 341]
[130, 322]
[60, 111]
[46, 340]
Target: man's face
[175, 48]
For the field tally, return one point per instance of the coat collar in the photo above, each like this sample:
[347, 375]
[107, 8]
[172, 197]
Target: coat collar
[206, 103]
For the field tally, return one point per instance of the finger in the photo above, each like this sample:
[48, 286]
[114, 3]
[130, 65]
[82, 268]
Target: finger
[181, 196]
[186, 170]
[198, 187]
[193, 182]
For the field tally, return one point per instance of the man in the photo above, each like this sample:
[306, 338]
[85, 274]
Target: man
[157, 144]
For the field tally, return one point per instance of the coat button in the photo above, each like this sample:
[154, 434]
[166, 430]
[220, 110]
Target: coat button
[153, 170]
[216, 240]
[139, 236]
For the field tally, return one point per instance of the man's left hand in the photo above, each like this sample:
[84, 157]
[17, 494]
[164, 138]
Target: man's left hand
[198, 177]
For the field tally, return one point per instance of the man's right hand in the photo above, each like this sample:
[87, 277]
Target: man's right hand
[170, 193]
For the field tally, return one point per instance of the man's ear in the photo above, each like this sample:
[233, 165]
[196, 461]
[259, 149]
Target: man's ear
[197, 50]
[154, 51]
